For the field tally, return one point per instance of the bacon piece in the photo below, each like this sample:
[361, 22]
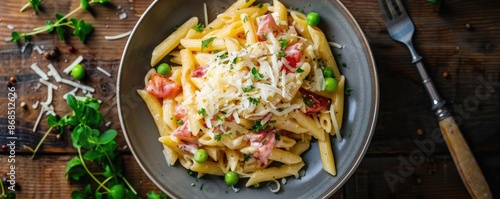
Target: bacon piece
[267, 25]
[264, 142]
[318, 102]
[199, 72]
[162, 87]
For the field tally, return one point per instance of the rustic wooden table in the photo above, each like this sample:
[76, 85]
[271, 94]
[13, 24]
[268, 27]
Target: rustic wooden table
[460, 44]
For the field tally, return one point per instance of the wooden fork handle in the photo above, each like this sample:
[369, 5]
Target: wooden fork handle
[464, 160]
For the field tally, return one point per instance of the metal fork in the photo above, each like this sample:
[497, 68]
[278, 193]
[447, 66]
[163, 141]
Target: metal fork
[401, 28]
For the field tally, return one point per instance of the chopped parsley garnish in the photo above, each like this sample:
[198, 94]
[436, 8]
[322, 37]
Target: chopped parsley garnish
[245, 19]
[300, 70]
[220, 117]
[223, 56]
[344, 65]
[278, 164]
[258, 126]
[180, 122]
[190, 172]
[263, 141]
[306, 101]
[247, 157]
[338, 56]
[229, 133]
[256, 74]
[255, 101]
[199, 27]
[283, 43]
[348, 91]
[246, 33]
[281, 54]
[203, 112]
[277, 136]
[260, 5]
[264, 37]
[248, 89]
[206, 42]
[218, 137]
[235, 60]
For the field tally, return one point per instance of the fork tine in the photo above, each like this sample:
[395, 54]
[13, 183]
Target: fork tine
[401, 7]
[392, 9]
[383, 11]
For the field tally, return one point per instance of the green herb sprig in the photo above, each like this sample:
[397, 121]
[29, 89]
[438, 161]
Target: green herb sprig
[10, 195]
[93, 147]
[81, 29]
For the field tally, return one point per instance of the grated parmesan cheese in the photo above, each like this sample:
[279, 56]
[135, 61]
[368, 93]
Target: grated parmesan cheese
[73, 64]
[39, 71]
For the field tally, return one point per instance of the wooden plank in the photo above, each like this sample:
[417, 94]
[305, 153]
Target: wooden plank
[43, 177]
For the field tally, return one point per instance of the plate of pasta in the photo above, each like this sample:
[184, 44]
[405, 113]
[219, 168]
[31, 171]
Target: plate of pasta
[246, 98]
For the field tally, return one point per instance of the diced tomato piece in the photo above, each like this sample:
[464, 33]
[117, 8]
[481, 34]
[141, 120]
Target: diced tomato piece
[162, 87]
[264, 141]
[267, 25]
[318, 102]
[293, 55]
[199, 72]
[183, 133]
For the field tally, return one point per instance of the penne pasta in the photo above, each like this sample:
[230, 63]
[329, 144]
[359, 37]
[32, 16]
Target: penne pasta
[172, 41]
[249, 91]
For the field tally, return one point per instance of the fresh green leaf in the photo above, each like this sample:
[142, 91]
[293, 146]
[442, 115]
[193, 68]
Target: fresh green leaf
[50, 24]
[82, 29]
[35, 4]
[72, 103]
[199, 27]
[281, 54]
[84, 4]
[206, 42]
[107, 136]
[92, 155]
[218, 137]
[60, 33]
[10, 195]
[75, 136]
[202, 112]
[254, 101]
[258, 126]
[180, 122]
[98, 195]
[248, 89]
[73, 163]
[300, 70]
[76, 173]
[247, 157]
[52, 120]
[256, 74]
[260, 5]
[307, 101]
[59, 16]
[77, 195]
[283, 43]
[277, 136]
[101, 1]
[107, 171]
[15, 36]
[117, 191]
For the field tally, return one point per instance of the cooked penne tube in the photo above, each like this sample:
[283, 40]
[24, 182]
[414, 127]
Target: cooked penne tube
[250, 91]
[274, 173]
[172, 41]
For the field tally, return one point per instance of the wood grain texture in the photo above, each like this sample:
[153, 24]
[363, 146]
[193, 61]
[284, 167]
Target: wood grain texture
[466, 164]
[471, 57]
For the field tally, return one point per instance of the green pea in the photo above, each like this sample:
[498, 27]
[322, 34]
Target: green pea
[328, 72]
[231, 178]
[200, 156]
[163, 69]
[330, 84]
[78, 72]
[312, 19]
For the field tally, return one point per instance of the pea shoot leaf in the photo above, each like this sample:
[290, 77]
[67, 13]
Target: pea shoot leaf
[72, 165]
[92, 155]
[15, 36]
[102, 1]
[50, 24]
[84, 4]
[11, 195]
[76, 194]
[82, 29]
[107, 136]
[35, 4]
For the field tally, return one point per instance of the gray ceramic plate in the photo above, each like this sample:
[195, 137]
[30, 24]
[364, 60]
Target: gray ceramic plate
[361, 106]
